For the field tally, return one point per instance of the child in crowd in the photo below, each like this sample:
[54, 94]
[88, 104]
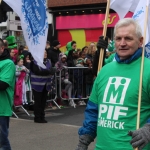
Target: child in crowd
[26, 62]
[61, 65]
[82, 55]
[80, 62]
[20, 88]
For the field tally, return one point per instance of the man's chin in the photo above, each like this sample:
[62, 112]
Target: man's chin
[123, 57]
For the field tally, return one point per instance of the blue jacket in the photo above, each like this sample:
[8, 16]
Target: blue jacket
[90, 122]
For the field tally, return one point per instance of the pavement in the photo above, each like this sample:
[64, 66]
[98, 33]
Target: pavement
[60, 133]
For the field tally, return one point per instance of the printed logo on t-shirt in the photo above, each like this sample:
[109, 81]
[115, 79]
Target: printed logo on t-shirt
[113, 101]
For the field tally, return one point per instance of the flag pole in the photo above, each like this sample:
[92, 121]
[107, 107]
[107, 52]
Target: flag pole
[141, 71]
[100, 63]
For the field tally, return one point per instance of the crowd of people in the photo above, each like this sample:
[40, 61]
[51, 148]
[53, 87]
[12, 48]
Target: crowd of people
[34, 85]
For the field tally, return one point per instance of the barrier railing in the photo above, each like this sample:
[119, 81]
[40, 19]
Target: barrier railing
[77, 79]
[52, 94]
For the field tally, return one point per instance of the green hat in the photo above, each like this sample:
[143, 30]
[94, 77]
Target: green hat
[69, 48]
[11, 41]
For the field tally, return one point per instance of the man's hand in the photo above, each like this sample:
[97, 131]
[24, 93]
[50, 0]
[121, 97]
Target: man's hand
[140, 137]
[84, 141]
[102, 43]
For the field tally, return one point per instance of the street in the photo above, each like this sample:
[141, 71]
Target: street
[60, 133]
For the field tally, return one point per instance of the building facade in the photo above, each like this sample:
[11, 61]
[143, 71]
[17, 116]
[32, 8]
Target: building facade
[80, 20]
[56, 3]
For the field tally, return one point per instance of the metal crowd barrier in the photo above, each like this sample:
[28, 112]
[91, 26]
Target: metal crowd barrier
[77, 78]
[20, 106]
[52, 95]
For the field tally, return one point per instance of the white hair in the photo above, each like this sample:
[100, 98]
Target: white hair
[127, 22]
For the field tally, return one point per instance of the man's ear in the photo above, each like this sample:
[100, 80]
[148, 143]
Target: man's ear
[141, 42]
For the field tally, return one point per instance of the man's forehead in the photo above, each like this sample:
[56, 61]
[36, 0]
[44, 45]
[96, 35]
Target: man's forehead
[130, 27]
[126, 31]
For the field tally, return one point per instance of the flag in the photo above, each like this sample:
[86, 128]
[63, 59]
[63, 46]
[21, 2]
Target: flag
[138, 7]
[34, 24]
[122, 7]
[134, 5]
[147, 50]
[139, 15]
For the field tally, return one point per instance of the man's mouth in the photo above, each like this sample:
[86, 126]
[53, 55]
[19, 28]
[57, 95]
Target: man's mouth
[123, 49]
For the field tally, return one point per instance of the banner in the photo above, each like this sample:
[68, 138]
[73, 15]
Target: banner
[122, 7]
[34, 24]
[147, 50]
[139, 15]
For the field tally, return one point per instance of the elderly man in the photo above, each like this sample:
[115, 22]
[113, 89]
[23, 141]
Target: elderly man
[7, 82]
[112, 108]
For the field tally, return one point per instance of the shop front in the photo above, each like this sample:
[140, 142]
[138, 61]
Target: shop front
[84, 29]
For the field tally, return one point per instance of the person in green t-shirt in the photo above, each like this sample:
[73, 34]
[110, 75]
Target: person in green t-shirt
[111, 112]
[7, 82]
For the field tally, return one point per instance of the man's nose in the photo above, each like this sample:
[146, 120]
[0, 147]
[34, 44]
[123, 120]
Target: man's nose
[122, 42]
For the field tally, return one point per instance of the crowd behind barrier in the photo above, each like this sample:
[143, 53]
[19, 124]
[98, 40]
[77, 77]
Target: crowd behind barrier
[67, 80]
[79, 91]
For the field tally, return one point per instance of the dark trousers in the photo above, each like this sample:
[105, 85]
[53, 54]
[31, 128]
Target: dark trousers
[4, 125]
[39, 104]
[88, 89]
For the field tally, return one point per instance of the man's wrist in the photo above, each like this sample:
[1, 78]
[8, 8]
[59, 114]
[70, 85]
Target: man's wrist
[86, 139]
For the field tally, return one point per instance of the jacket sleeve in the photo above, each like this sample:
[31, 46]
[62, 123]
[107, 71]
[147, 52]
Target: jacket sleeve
[49, 55]
[3, 85]
[57, 66]
[90, 121]
[96, 61]
[35, 69]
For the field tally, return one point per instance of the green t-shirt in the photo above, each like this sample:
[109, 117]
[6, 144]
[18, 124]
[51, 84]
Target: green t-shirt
[115, 91]
[7, 74]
